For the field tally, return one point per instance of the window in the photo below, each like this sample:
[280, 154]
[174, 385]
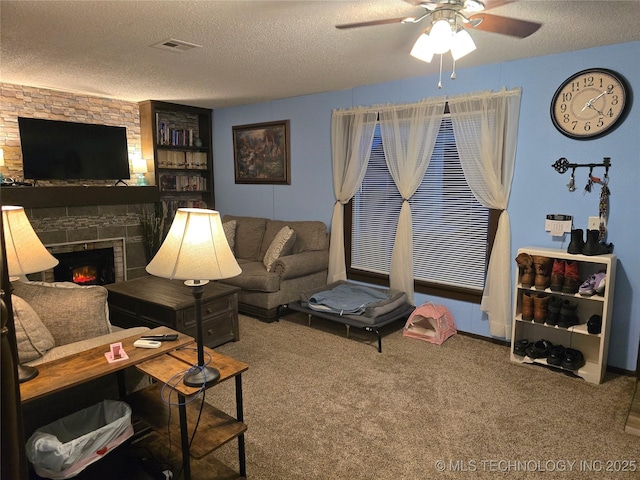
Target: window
[452, 232]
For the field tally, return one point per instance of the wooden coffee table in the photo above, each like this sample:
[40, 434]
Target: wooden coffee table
[153, 301]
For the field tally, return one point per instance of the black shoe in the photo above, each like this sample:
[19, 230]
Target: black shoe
[520, 347]
[594, 324]
[539, 349]
[553, 313]
[593, 247]
[573, 359]
[577, 241]
[556, 355]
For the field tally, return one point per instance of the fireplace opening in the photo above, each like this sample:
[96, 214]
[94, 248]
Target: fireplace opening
[85, 267]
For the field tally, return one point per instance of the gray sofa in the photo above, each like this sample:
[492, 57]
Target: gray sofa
[264, 292]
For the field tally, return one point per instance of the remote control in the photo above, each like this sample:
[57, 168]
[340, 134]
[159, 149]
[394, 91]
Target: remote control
[146, 344]
[161, 338]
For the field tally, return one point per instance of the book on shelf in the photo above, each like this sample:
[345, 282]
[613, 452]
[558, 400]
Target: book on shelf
[182, 183]
[172, 136]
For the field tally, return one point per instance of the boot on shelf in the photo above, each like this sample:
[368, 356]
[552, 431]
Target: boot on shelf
[527, 306]
[568, 315]
[527, 274]
[540, 306]
[577, 241]
[557, 275]
[571, 277]
[542, 266]
[553, 311]
[593, 246]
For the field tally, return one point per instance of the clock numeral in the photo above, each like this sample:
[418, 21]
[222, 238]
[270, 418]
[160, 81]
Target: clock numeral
[589, 81]
[615, 99]
[587, 126]
[600, 122]
[563, 107]
[566, 96]
[575, 86]
[609, 113]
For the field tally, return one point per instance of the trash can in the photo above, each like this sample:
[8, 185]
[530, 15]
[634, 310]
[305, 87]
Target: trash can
[64, 448]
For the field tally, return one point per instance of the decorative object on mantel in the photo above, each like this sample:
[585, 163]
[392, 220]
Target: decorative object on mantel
[196, 250]
[261, 153]
[25, 254]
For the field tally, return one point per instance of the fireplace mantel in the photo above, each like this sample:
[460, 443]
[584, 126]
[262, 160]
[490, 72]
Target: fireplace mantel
[39, 197]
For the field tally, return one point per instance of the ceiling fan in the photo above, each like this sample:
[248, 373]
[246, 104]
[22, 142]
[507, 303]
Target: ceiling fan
[469, 13]
[448, 21]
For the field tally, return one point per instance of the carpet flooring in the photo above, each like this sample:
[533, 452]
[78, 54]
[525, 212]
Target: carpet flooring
[322, 406]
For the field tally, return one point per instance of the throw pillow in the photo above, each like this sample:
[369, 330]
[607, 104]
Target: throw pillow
[281, 245]
[32, 336]
[71, 312]
[230, 232]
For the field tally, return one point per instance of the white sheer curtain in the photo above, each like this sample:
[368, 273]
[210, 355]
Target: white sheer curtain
[486, 129]
[351, 138]
[408, 134]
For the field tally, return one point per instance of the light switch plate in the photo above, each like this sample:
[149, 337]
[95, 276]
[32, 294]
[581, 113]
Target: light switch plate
[594, 223]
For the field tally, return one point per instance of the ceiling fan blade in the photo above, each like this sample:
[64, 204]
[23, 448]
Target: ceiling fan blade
[504, 25]
[495, 3]
[372, 22]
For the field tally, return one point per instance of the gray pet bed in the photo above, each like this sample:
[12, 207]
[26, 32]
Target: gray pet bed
[375, 315]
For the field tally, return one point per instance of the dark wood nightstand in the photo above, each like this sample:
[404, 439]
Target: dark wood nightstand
[153, 301]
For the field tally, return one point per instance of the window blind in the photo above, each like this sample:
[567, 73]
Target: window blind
[450, 227]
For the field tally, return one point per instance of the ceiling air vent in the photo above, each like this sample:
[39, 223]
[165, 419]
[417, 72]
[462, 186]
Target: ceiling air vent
[174, 45]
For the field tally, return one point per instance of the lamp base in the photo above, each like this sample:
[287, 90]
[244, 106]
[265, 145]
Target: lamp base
[204, 376]
[26, 373]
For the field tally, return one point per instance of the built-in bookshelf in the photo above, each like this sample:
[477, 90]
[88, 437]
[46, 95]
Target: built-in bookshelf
[178, 140]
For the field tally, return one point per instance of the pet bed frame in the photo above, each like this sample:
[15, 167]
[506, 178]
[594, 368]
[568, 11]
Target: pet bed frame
[379, 314]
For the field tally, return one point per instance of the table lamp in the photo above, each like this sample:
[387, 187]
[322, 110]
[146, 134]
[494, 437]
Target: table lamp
[1, 165]
[140, 168]
[196, 250]
[25, 254]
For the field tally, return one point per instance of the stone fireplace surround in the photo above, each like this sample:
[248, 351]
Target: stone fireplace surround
[58, 227]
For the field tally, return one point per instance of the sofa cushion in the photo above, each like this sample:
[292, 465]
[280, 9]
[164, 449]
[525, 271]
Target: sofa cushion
[254, 276]
[280, 246]
[230, 232]
[32, 336]
[249, 235]
[310, 235]
[71, 312]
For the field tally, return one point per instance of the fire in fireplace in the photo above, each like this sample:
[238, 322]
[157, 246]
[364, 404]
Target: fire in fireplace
[86, 267]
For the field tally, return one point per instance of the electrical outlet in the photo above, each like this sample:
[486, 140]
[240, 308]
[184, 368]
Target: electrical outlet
[594, 223]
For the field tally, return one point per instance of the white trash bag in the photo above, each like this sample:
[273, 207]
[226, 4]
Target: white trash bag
[67, 446]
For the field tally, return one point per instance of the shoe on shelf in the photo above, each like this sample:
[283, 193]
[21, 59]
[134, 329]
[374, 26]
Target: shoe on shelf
[557, 275]
[571, 277]
[594, 284]
[568, 315]
[577, 242]
[539, 349]
[573, 359]
[553, 310]
[527, 273]
[520, 347]
[556, 355]
[594, 324]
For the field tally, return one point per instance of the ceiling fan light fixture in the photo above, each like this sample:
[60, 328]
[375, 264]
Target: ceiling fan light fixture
[423, 48]
[441, 36]
[462, 44]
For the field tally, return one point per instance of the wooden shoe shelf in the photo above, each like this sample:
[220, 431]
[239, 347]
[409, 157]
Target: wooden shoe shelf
[594, 347]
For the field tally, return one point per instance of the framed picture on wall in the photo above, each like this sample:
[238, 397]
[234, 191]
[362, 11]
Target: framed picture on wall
[261, 153]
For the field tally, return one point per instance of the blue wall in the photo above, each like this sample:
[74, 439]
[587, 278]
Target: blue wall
[537, 188]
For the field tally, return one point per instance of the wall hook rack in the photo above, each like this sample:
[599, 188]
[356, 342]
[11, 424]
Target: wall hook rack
[562, 165]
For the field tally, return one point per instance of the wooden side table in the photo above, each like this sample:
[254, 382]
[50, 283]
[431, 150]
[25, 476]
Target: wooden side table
[153, 301]
[215, 428]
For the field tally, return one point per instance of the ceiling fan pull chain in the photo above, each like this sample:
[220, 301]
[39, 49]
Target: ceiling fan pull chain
[453, 74]
[440, 79]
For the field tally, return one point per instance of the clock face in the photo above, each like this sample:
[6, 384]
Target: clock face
[590, 103]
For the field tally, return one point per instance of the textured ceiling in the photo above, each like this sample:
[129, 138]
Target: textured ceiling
[255, 51]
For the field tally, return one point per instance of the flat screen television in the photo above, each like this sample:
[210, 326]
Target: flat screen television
[59, 150]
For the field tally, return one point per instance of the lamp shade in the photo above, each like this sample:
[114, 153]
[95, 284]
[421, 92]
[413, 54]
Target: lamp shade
[423, 48]
[24, 250]
[139, 165]
[1, 157]
[196, 248]
[462, 44]
[441, 36]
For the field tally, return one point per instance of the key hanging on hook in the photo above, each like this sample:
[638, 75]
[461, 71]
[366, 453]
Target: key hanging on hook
[587, 188]
[572, 181]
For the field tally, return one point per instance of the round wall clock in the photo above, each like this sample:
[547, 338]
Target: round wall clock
[590, 103]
